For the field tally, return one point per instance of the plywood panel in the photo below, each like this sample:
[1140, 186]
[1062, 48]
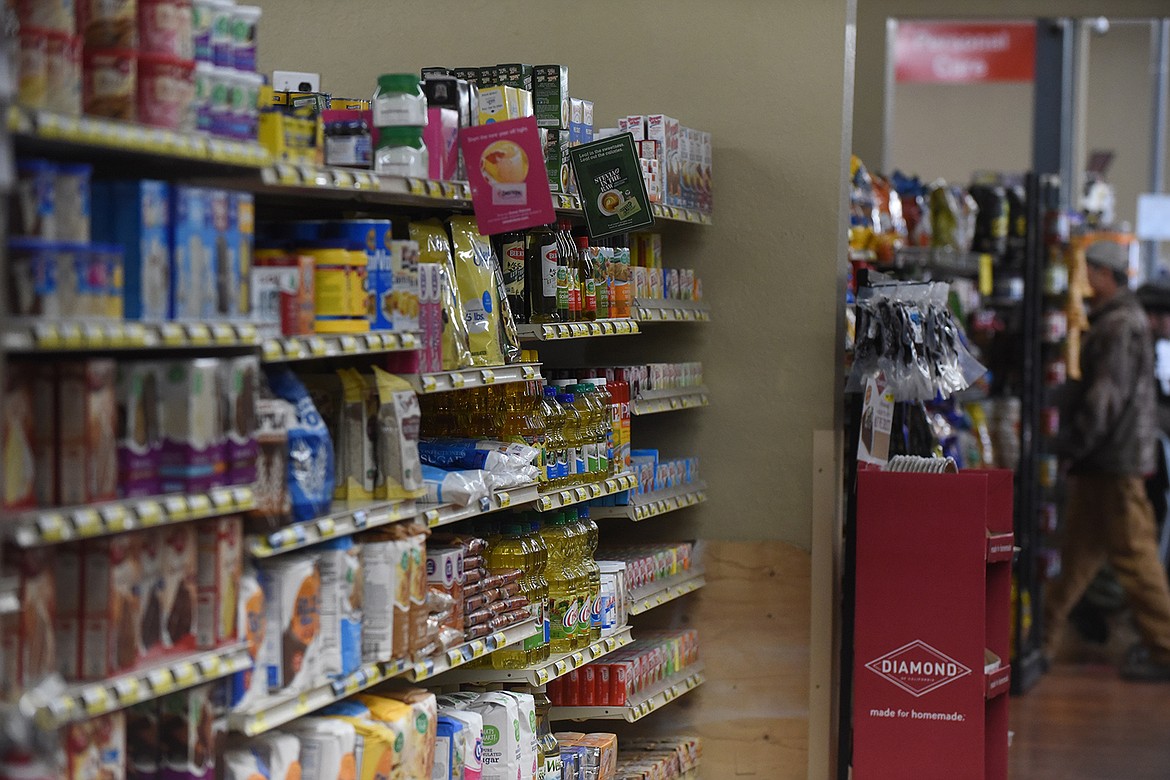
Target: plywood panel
[753, 620]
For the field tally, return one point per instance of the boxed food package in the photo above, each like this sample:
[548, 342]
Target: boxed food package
[87, 443]
[136, 215]
[220, 567]
[19, 437]
[274, 418]
[282, 285]
[292, 596]
[400, 303]
[384, 567]
[341, 606]
[241, 239]
[150, 590]
[498, 104]
[111, 606]
[556, 160]
[179, 595]
[515, 75]
[550, 95]
[45, 438]
[96, 748]
[240, 381]
[27, 640]
[224, 248]
[142, 741]
[194, 289]
[187, 735]
[193, 451]
[449, 746]
[328, 747]
[139, 428]
[471, 735]
[67, 623]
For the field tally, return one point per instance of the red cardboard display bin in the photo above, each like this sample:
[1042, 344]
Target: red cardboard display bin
[931, 631]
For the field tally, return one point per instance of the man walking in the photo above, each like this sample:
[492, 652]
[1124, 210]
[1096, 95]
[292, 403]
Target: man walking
[1107, 442]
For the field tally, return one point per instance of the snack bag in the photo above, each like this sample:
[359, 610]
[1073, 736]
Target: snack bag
[475, 279]
[310, 450]
[399, 417]
[435, 247]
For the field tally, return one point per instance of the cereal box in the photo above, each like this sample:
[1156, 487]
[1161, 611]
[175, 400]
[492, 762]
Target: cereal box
[136, 215]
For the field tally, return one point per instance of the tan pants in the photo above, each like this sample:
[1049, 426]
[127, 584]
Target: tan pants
[1109, 518]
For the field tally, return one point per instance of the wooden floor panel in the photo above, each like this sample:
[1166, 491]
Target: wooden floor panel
[1086, 722]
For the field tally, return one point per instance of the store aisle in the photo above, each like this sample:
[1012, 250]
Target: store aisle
[1086, 722]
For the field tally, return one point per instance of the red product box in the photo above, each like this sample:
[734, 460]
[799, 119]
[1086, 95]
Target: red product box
[588, 685]
[572, 688]
[111, 606]
[620, 676]
[603, 683]
[220, 566]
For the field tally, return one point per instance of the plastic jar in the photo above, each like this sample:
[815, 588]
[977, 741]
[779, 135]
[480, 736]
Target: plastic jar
[219, 104]
[33, 86]
[166, 91]
[108, 24]
[221, 33]
[165, 27]
[109, 85]
[339, 288]
[72, 202]
[245, 20]
[243, 103]
[399, 101]
[32, 278]
[401, 152]
[33, 205]
[202, 18]
[63, 71]
[347, 140]
[56, 15]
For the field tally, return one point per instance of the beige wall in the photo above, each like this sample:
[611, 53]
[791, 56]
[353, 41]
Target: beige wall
[1122, 51]
[770, 263]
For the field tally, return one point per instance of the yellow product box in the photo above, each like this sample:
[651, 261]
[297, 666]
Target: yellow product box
[641, 282]
[648, 249]
[524, 98]
[498, 104]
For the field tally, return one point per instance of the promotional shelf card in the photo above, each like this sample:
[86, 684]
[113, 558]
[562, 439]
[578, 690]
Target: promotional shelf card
[609, 179]
[505, 167]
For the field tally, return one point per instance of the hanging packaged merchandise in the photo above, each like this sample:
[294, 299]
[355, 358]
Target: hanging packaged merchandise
[915, 208]
[891, 235]
[475, 276]
[455, 487]
[397, 425]
[907, 333]
[310, 449]
[864, 223]
[357, 467]
[435, 247]
[991, 220]
[952, 215]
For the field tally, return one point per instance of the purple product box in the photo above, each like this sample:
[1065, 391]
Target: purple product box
[241, 377]
[139, 429]
[194, 448]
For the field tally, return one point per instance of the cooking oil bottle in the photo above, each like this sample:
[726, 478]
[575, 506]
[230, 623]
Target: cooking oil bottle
[555, 445]
[564, 585]
[512, 551]
[595, 430]
[609, 421]
[539, 650]
[574, 439]
[591, 539]
[522, 419]
[577, 536]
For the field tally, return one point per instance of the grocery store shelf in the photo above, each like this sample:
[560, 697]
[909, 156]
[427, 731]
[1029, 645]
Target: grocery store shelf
[88, 700]
[50, 526]
[563, 201]
[360, 186]
[47, 132]
[651, 310]
[659, 502]
[470, 651]
[575, 495]
[447, 514]
[542, 673]
[655, 401]
[287, 348]
[280, 709]
[642, 705]
[658, 593]
[679, 214]
[558, 331]
[76, 336]
[467, 378]
[346, 518]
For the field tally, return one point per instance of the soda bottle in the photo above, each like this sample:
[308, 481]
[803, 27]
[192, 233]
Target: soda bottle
[564, 583]
[512, 251]
[540, 651]
[555, 446]
[591, 539]
[541, 262]
[588, 270]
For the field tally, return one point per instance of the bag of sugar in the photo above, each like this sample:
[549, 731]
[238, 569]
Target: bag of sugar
[502, 753]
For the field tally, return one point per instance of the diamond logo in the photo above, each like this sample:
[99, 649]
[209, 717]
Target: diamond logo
[918, 668]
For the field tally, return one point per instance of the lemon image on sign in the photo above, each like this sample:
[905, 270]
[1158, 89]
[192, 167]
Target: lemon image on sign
[504, 162]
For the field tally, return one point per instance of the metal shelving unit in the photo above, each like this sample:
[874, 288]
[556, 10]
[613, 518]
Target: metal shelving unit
[646, 505]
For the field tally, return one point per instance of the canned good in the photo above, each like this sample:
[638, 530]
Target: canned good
[166, 91]
[110, 83]
[339, 286]
[282, 290]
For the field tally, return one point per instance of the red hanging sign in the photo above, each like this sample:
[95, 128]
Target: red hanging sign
[962, 53]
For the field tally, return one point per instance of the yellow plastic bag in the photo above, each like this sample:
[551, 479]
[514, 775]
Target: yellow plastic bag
[478, 295]
[435, 247]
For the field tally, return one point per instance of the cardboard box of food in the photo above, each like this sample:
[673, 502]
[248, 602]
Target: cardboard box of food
[550, 95]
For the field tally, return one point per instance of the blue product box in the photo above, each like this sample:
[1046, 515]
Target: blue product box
[136, 216]
[373, 236]
[193, 246]
[223, 229]
[644, 463]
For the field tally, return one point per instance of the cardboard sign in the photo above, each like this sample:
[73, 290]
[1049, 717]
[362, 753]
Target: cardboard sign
[877, 419]
[961, 53]
[609, 179]
[505, 168]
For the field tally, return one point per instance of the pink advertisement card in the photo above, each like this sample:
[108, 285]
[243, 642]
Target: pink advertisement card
[505, 167]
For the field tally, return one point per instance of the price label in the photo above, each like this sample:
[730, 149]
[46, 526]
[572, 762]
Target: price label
[457, 380]
[489, 376]
[429, 384]
[244, 497]
[408, 341]
[578, 659]
[96, 700]
[94, 335]
[360, 518]
[317, 346]
[185, 674]
[548, 332]
[199, 504]
[527, 372]
[127, 690]
[504, 499]
[86, 522]
[149, 513]
[325, 527]
[115, 518]
[607, 328]
[176, 507]
[582, 494]
[561, 668]
[416, 186]
[272, 350]
[51, 527]
[348, 344]
[161, 681]
[210, 666]
[343, 179]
